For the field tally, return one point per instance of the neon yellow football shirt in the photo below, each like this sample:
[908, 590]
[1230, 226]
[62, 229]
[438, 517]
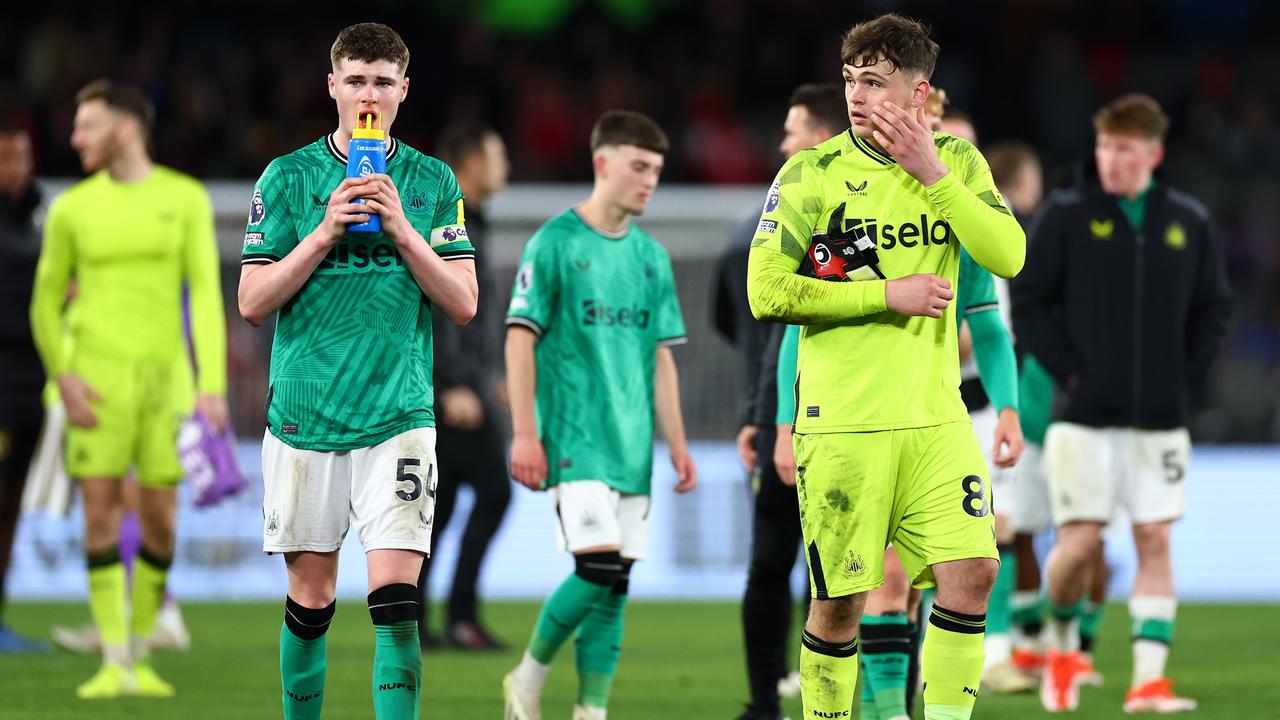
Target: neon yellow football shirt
[861, 366]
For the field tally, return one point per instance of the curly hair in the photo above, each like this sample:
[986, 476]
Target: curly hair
[902, 42]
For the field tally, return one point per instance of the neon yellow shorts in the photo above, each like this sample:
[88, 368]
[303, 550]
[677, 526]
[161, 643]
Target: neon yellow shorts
[142, 408]
[924, 489]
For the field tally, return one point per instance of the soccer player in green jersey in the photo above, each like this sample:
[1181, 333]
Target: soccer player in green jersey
[131, 235]
[997, 410]
[884, 449]
[592, 317]
[350, 435]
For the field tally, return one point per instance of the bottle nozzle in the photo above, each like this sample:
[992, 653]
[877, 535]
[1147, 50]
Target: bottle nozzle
[365, 127]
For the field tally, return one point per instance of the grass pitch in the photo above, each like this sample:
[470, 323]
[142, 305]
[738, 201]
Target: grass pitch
[681, 660]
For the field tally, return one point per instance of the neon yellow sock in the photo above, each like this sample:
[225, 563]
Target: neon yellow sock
[150, 574]
[107, 604]
[951, 665]
[828, 676]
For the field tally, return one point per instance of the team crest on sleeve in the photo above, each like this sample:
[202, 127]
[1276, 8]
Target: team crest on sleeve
[257, 210]
[774, 197]
[524, 278]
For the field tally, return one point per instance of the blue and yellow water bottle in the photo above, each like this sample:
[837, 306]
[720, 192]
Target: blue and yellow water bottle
[366, 155]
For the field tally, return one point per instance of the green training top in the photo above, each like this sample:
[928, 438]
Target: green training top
[601, 304]
[862, 367]
[351, 360]
[977, 302]
[1035, 399]
[130, 248]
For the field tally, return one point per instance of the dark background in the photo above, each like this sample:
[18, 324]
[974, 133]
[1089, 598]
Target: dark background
[236, 84]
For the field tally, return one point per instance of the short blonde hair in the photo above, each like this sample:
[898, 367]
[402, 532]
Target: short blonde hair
[937, 102]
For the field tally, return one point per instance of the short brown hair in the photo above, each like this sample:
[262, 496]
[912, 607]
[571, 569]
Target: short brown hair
[624, 127]
[825, 103]
[460, 140]
[369, 42]
[1132, 114]
[903, 42]
[1007, 158]
[125, 99]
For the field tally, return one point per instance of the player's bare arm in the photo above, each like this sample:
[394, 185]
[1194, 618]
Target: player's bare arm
[666, 390]
[745, 442]
[451, 285]
[77, 396]
[784, 456]
[265, 288]
[528, 458]
[1008, 443]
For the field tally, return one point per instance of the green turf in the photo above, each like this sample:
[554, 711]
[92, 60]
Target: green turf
[680, 661]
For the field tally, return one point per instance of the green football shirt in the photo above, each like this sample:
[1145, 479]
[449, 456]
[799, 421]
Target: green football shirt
[601, 304]
[1035, 399]
[976, 291]
[977, 302]
[351, 360]
[862, 367]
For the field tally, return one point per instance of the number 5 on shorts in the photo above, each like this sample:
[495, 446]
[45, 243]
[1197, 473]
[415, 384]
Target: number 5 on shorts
[976, 501]
[415, 482]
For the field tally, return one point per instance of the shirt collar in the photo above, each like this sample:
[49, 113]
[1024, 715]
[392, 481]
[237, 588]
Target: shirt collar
[393, 146]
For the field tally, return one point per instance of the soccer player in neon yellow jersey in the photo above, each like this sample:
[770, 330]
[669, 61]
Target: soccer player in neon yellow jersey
[350, 440]
[884, 448]
[131, 235]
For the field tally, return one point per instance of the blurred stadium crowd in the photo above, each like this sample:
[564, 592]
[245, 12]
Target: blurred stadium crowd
[234, 85]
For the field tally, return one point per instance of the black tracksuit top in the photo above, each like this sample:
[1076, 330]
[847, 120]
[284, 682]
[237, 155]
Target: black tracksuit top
[1127, 322]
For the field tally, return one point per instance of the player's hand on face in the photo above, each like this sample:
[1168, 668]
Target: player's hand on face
[343, 210]
[686, 471]
[528, 462]
[907, 137]
[746, 445]
[922, 294]
[76, 398]
[784, 456]
[1008, 440]
[385, 200]
[462, 408]
[214, 409]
